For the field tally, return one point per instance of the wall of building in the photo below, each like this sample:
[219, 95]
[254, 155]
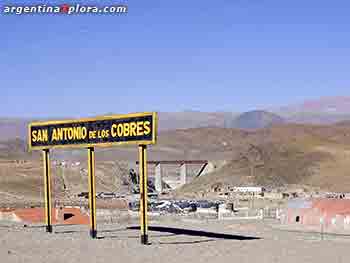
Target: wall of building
[330, 213]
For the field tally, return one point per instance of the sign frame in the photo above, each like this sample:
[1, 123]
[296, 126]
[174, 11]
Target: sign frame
[142, 146]
[101, 118]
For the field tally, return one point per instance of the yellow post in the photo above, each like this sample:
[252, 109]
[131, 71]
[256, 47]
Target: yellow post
[143, 193]
[92, 192]
[47, 182]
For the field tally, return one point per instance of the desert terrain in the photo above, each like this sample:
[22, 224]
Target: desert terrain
[280, 157]
[172, 241]
[312, 156]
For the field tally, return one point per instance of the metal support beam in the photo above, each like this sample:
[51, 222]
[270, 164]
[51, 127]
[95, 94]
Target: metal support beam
[143, 193]
[176, 162]
[201, 170]
[47, 182]
[92, 192]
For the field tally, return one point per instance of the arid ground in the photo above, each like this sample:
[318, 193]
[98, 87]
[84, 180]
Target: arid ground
[171, 241]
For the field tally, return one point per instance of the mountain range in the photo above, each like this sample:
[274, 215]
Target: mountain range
[258, 148]
[327, 110]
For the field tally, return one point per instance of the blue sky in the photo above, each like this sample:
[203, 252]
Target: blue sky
[232, 55]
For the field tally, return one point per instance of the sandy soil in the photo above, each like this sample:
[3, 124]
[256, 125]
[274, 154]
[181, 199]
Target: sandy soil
[184, 241]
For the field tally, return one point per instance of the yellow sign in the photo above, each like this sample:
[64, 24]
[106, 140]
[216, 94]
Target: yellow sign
[137, 128]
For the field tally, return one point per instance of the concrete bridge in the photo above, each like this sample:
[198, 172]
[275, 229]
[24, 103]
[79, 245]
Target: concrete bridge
[159, 165]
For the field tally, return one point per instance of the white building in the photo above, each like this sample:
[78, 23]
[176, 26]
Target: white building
[248, 189]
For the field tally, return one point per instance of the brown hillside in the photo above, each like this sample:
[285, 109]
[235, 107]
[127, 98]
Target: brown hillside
[317, 156]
